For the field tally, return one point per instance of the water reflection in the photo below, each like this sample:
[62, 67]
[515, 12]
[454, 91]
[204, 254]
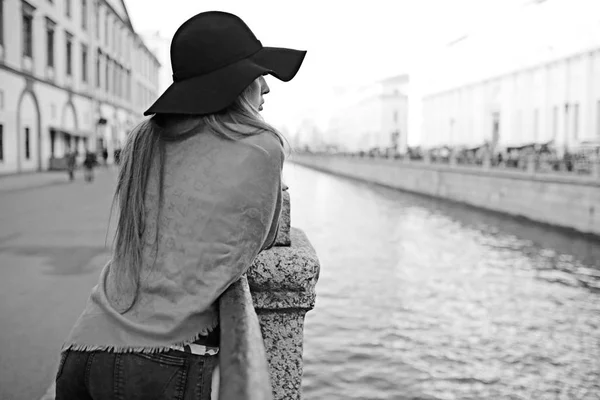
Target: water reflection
[422, 299]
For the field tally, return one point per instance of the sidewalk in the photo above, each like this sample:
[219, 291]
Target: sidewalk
[27, 180]
[30, 180]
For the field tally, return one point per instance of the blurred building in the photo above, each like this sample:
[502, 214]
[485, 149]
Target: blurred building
[371, 118]
[309, 136]
[537, 82]
[160, 46]
[73, 73]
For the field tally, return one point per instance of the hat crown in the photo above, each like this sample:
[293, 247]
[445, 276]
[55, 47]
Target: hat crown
[209, 41]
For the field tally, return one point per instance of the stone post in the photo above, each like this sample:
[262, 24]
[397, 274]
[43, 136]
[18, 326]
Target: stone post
[282, 282]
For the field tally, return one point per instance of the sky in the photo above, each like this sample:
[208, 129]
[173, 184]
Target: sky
[356, 42]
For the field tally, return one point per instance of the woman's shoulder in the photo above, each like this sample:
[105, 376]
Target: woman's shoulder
[266, 142]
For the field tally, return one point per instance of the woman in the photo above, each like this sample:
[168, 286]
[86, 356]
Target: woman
[199, 196]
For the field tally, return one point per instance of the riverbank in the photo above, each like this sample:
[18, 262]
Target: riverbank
[566, 201]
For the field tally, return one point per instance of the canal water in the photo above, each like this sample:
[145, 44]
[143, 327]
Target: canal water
[422, 299]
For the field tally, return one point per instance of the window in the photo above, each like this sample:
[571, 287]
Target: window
[28, 11]
[115, 79]
[52, 139]
[27, 145]
[97, 18]
[107, 76]
[69, 53]
[1, 139]
[120, 80]
[128, 84]
[113, 39]
[106, 27]
[575, 121]
[84, 63]
[1, 22]
[495, 128]
[84, 12]
[50, 27]
[68, 8]
[98, 72]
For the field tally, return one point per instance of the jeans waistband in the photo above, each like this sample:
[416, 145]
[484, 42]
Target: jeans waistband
[198, 349]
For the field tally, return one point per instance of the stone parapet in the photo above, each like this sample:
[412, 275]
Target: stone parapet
[282, 282]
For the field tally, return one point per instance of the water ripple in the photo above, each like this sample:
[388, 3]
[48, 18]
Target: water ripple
[419, 299]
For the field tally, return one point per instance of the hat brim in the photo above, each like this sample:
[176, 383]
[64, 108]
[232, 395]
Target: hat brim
[212, 92]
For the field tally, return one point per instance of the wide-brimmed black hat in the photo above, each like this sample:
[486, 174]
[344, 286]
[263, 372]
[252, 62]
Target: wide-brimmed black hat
[215, 56]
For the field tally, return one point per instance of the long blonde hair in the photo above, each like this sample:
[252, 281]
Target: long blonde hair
[144, 149]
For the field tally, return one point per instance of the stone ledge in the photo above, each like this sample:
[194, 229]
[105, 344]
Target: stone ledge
[286, 269]
[572, 179]
[283, 301]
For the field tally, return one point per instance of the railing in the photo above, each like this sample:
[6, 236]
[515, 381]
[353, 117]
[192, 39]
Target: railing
[267, 364]
[242, 361]
[576, 165]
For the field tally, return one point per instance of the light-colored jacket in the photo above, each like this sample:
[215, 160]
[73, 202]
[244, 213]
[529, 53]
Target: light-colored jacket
[222, 201]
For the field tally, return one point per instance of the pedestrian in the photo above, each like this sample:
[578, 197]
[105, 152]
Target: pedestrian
[71, 164]
[88, 166]
[117, 156]
[105, 156]
[199, 195]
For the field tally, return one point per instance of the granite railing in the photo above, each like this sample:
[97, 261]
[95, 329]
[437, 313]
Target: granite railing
[262, 320]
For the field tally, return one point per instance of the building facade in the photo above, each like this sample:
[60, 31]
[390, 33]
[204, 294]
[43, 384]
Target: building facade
[73, 75]
[535, 83]
[555, 101]
[160, 46]
[371, 118]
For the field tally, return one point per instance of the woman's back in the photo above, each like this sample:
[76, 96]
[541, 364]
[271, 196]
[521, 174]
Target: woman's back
[216, 215]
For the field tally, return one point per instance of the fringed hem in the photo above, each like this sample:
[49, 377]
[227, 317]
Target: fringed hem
[138, 349]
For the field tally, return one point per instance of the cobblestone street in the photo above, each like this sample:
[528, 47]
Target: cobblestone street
[52, 247]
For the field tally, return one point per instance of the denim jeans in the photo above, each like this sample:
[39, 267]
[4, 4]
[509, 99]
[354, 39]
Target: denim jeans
[101, 375]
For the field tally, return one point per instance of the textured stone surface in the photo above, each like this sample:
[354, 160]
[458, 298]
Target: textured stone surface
[281, 269]
[283, 235]
[283, 336]
[282, 281]
[283, 300]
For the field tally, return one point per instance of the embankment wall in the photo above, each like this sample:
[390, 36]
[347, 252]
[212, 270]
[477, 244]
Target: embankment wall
[562, 200]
